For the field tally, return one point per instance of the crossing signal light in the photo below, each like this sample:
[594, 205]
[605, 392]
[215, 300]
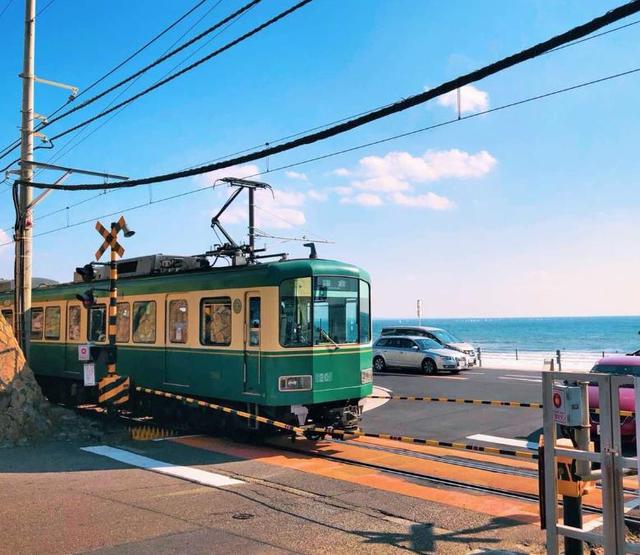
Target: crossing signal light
[87, 298]
[86, 272]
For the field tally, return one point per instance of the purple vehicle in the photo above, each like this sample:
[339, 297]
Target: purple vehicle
[627, 365]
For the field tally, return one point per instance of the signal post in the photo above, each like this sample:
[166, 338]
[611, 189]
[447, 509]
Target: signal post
[113, 389]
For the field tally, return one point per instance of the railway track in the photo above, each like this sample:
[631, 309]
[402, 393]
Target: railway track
[139, 422]
[449, 482]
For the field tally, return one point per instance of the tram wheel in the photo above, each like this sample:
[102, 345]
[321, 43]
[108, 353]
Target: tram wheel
[429, 367]
[379, 364]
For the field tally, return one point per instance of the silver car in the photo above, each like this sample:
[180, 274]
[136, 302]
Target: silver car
[444, 337]
[416, 352]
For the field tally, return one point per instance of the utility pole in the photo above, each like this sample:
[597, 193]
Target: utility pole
[23, 231]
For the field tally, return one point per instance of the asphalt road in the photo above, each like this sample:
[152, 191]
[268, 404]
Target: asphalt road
[454, 422]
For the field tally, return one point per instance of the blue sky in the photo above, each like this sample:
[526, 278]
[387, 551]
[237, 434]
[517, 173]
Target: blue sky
[529, 211]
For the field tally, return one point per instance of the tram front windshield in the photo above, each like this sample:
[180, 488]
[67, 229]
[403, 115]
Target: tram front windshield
[324, 310]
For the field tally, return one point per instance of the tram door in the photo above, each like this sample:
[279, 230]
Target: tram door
[252, 341]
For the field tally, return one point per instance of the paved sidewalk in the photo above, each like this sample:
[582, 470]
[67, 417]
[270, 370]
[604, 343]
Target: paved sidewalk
[59, 499]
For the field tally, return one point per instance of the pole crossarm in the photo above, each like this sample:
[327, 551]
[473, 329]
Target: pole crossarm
[46, 166]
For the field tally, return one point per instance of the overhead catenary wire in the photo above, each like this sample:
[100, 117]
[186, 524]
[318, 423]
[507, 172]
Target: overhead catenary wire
[397, 107]
[190, 67]
[6, 7]
[350, 149]
[12, 146]
[156, 62]
[70, 147]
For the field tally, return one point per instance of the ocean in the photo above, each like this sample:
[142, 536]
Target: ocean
[582, 340]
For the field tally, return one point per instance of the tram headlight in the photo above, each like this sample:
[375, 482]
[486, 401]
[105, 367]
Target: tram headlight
[366, 375]
[294, 383]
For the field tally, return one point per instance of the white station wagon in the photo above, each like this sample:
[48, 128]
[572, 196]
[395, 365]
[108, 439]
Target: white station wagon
[416, 352]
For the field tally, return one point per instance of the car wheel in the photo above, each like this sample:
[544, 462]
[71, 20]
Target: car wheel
[429, 367]
[378, 364]
[455, 371]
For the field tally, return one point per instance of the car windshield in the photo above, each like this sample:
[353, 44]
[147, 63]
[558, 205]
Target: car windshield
[446, 337]
[426, 344]
[614, 369]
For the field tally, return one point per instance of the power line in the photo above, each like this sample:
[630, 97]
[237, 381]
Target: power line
[351, 149]
[12, 146]
[72, 147]
[144, 47]
[158, 61]
[43, 9]
[399, 106]
[6, 7]
[188, 68]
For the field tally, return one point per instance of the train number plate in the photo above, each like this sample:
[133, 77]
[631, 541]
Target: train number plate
[324, 377]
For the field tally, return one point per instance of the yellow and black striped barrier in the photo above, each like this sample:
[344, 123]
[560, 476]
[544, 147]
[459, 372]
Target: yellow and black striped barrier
[221, 408]
[512, 404]
[113, 390]
[454, 445]
[146, 433]
[488, 402]
[343, 433]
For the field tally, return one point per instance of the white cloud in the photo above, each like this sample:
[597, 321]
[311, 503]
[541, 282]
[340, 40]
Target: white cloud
[382, 184]
[397, 174]
[4, 238]
[363, 199]
[472, 100]
[297, 175]
[342, 191]
[428, 200]
[342, 172]
[431, 166]
[319, 196]
[282, 210]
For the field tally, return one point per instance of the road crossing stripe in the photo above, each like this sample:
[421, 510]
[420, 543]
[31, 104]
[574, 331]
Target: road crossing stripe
[190, 474]
[521, 379]
[505, 441]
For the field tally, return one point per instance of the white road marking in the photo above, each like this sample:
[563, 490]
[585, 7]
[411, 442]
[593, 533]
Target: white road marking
[518, 376]
[370, 404]
[176, 437]
[523, 444]
[448, 377]
[475, 373]
[597, 522]
[183, 472]
[520, 379]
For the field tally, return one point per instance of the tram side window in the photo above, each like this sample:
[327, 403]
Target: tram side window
[215, 321]
[178, 321]
[74, 323]
[97, 323]
[123, 320]
[37, 323]
[365, 312]
[8, 316]
[52, 323]
[144, 322]
[295, 312]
